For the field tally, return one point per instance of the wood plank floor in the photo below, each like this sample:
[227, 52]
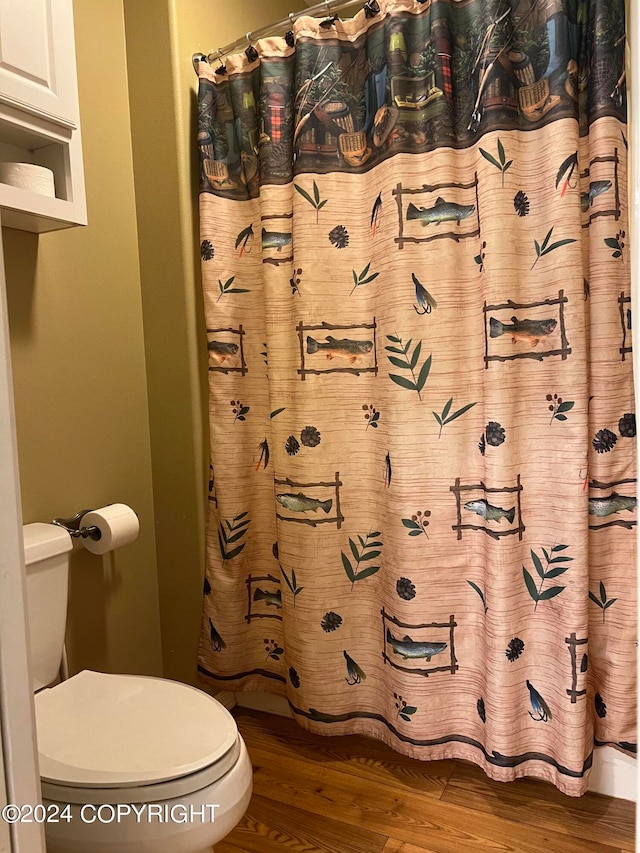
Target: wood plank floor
[314, 794]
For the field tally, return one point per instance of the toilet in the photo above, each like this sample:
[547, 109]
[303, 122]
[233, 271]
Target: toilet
[128, 764]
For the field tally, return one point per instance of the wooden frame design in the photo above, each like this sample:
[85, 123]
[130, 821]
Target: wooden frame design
[242, 369]
[336, 519]
[458, 488]
[250, 581]
[612, 212]
[573, 643]
[565, 349]
[618, 522]
[399, 192]
[304, 371]
[452, 667]
[625, 315]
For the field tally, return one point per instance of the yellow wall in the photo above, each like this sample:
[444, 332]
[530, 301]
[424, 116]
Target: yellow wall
[162, 35]
[79, 368]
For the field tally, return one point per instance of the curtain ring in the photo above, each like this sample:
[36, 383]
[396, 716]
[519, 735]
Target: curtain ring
[292, 19]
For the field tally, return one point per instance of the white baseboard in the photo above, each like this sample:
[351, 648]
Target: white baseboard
[265, 702]
[613, 773]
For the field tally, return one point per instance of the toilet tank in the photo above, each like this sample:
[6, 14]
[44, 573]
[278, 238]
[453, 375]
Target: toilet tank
[46, 551]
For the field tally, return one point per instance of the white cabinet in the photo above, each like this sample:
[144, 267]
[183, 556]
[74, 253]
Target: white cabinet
[39, 121]
[36, 42]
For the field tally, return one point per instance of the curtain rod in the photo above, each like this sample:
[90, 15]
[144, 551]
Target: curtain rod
[325, 7]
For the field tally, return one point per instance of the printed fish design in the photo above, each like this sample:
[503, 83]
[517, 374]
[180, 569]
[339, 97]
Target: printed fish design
[220, 351]
[442, 211]
[343, 348]
[596, 188]
[424, 299]
[408, 648]
[542, 711]
[303, 503]
[356, 675]
[275, 239]
[217, 643]
[602, 507]
[375, 214]
[271, 599]
[489, 512]
[523, 330]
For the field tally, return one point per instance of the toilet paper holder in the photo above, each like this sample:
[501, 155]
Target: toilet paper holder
[73, 528]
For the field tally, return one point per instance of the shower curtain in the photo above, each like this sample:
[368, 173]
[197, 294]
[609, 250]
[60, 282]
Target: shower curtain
[422, 496]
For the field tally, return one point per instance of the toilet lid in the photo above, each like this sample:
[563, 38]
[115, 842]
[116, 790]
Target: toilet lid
[100, 730]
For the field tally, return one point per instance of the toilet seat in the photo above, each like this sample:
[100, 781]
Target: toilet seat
[110, 735]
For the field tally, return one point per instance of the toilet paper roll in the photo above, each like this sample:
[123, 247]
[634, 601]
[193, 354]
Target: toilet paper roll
[118, 525]
[28, 176]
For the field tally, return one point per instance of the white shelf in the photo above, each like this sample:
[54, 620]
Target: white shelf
[32, 139]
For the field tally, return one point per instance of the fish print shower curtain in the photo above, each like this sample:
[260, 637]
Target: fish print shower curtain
[422, 498]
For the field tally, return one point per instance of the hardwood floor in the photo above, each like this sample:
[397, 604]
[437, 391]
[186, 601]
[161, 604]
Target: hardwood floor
[313, 794]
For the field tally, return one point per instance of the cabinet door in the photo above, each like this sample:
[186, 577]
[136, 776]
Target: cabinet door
[37, 58]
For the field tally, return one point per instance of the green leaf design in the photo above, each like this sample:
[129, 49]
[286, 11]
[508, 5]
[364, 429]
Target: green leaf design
[277, 412]
[546, 248]
[394, 339]
[234, 531]
[363, 278]
[460, 412]
[445, 418]
[396, 362]
[404, 383]
[305, 194]
[315, 202]
[559, 243]
[365, 554]
[370, 556]
[477, 589]
[501, 154]
[550, 593]
[531, 584]
[347, 567]
[537, 564]
[611, 242]
[610, 602]
[603, 592]
[416, 355]
[554, 573]
[409, 709]
[411, 363]
[595, 599]
[546, 573]
[566, 406]
[424, 374]
[366, 573]
[491, 159]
